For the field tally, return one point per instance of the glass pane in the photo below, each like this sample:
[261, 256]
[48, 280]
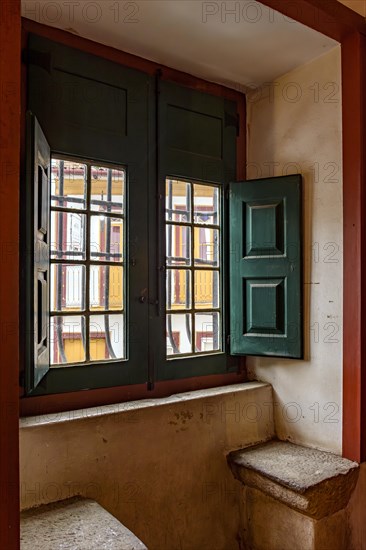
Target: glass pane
[178, 245]
[67, 337]
[206, 289]
[107, 189]
[106, 287]
[206, 204]
[178, 289]
[178, 201]
[68, 184]
[67, 287]
[208, 334]
[68, 236]
[106, 239]
[178, 334]
[106, 337]
[206, 247]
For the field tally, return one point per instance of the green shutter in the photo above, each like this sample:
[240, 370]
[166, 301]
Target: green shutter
[94, 109]
[266, 267]
[38, 189]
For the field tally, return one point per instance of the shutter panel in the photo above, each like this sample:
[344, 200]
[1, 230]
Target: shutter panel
[38, 184]
[266, 267]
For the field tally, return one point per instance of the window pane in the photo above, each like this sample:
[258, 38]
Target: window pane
[178, 289]
[178, 201]
[206, 204]
[67, 236]
[179, 334]
[106, 239]
[207, 330]
[206, 247]
[81, 280]
[206, 289]
[67, 337]
[68, 184]
[106, 337]
[106, 287]
[178, 245]
[107, 189]
[67, 287]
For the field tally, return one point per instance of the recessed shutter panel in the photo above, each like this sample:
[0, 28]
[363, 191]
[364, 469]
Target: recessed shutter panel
[266, 267]
[38, 184]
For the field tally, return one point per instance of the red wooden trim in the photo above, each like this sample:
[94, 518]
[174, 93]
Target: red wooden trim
[326, 16]
[10, 42]
[50, 404]
[354, 212]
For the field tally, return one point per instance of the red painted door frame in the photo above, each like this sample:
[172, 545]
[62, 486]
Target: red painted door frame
[354, 255]
[10, 36]
[326, 16]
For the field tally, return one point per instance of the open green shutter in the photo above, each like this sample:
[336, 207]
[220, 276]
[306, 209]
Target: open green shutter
[266, 267]
[38, 189]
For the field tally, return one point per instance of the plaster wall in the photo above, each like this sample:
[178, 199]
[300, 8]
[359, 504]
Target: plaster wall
[294, 125]
[158, 466]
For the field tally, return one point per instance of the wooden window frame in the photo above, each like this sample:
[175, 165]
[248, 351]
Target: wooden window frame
[58, 402]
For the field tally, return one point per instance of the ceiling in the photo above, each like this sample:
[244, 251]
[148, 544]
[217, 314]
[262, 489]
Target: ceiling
[236, 43]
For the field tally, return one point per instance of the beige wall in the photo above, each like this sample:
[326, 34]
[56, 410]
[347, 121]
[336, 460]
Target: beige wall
[294, 125]
[356, 5]
[159, 467]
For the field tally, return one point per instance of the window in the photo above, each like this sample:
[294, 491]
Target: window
[193, 268]
[87, 263]
[129, 232]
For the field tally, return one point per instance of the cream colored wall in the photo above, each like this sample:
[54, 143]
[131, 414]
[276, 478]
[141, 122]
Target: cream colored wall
[159, 467]
[356, 5]
[294, 125]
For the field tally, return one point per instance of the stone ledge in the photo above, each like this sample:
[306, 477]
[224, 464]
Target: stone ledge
[30, 422]
[315, 483]
[74, 524]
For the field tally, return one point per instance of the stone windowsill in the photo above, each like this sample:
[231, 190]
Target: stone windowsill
[131, 406]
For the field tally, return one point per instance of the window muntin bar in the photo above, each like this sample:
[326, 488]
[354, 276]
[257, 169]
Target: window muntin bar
[87, 252]
[193, 303]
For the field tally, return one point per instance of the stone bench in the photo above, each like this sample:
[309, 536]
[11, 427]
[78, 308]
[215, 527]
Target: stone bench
[294, 497]
[74, 524]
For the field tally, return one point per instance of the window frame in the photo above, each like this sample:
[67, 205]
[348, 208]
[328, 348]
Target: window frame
[234, 368]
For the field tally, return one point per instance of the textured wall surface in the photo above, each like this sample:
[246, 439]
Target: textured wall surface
[159, 467]
[294, 125]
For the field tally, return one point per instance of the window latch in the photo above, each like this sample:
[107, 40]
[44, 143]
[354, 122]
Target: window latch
[143, 296]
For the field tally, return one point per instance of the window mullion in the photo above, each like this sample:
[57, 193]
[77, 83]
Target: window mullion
[87, 249]
[193, 324]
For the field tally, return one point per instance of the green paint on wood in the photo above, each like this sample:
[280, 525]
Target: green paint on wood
[266, 267]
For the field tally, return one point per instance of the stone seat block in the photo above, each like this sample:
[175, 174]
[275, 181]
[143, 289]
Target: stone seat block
[313, 482]
[74, 524]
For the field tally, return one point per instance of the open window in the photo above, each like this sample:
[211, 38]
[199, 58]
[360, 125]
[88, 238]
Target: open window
[139, 218]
